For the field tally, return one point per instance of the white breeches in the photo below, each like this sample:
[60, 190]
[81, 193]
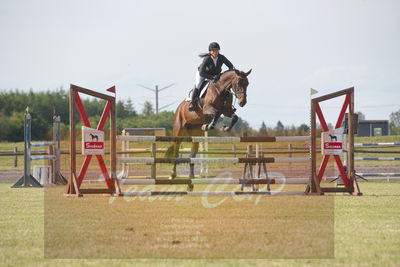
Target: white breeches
[199, 80]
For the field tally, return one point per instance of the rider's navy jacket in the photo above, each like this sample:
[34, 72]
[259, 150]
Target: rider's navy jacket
[207, 68]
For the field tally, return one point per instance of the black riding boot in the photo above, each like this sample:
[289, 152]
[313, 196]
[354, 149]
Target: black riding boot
[193, 102]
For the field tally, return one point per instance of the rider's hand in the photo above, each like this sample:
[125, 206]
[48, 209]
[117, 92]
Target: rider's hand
[216, 78]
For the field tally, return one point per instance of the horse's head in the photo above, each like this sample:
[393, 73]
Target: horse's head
[236, 81]
[239, 86]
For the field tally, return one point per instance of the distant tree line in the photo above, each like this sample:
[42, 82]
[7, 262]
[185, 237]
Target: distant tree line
[394, 123]
[281, 130]
[42, 106]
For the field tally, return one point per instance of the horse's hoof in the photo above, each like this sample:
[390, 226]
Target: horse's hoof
[190, 188]
[226, 128]
[172, 175]
[192, 106]
[204, 127]
[255, 188]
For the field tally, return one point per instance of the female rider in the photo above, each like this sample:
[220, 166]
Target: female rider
[210, 69]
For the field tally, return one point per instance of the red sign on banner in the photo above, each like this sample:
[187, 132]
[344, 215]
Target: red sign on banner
[94, 145]
[333, 145]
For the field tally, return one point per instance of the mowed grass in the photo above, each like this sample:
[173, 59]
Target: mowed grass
[41, 227]
[189, 226]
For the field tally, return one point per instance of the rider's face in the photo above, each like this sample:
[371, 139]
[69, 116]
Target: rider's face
[214, 52]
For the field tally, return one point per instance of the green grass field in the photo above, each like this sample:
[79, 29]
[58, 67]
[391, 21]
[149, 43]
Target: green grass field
[40, 227]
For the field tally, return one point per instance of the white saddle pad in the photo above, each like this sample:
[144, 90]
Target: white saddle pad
[189, 96]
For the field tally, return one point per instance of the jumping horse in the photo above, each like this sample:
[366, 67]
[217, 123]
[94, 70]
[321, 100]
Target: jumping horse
[216, 101]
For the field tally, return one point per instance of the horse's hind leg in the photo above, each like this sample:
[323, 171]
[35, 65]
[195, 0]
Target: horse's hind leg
[175, 154]
[193, 153]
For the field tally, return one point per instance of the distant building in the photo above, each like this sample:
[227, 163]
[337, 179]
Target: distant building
[373, 128]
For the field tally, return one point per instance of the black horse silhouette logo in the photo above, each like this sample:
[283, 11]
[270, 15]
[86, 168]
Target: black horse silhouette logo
[333, 138]
[95, 138]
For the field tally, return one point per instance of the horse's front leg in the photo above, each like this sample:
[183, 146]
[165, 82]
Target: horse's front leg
[210, 121]
[234, 120]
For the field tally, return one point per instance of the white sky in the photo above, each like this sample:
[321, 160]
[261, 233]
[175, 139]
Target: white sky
[291, 46]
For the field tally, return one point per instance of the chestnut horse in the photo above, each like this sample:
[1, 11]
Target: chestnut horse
[216, 101]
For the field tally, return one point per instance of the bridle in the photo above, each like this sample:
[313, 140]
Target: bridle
[236, 89]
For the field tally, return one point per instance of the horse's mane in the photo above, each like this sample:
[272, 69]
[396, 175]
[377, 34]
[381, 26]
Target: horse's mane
[228, 71]
[238, 72]
[225, 72]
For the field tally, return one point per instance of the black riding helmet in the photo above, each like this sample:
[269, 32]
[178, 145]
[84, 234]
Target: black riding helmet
[213, 45]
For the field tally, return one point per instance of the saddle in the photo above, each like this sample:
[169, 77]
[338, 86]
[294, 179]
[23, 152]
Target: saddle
[203, 89]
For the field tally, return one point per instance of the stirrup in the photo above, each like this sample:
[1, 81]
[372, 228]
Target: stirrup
[192, 105]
